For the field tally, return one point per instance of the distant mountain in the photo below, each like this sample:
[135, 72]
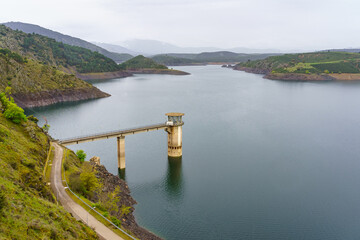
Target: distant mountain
[117, 49]
[59, 37]
[153, 47]
[206, 57]
[353, 50]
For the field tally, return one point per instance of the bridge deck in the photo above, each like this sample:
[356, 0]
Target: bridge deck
[112, 134]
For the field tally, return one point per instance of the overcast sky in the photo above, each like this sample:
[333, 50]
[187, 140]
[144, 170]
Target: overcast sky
[276, 24]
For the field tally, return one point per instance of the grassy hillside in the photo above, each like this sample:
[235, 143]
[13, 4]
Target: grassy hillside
[27, 206]
[31, 28]
[141, 62]
[26, 75]
[55, 53]
[36, 84]
[318, 62]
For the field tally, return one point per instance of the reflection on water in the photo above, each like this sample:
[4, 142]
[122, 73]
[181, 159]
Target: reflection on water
[122, 174]
[174, 177]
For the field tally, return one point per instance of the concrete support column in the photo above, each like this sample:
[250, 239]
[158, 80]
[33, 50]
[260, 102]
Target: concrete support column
[121, 152]
[175, 141]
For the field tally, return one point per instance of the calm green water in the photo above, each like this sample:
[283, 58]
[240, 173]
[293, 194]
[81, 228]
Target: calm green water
[261, 159]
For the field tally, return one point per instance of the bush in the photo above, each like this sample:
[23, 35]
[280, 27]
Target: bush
[3, 201]
[76, 184]
[12, 111]
[15, 113]
[81, 155]
[115, 221]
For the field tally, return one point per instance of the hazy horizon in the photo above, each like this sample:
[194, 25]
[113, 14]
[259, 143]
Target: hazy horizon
[300, 25]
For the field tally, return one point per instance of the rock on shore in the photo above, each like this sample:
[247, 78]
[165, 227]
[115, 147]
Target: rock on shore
[44, 98]
[110, 182]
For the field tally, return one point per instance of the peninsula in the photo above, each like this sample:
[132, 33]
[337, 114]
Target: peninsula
[316, 66]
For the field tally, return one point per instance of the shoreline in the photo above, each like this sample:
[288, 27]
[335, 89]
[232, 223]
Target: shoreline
[110, 183]
[301, 76]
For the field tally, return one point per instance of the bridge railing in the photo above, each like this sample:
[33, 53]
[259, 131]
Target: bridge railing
[112, 133]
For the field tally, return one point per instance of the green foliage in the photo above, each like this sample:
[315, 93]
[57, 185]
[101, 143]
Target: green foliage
[81, 155]
[11, 110]
[46, 128]
[7, 53]
[3, 201]
[125, 210]
[88, 178]
[115, 221]
[141, 62]
[326, 71]
[33, 119]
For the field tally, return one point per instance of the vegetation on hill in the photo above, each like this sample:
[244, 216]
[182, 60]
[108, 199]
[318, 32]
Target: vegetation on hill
[31, 28]
[30, 80]
[50, 52]
[307, 63]
[205, 57]
[26, 75]
[27, 206]
[141, 62]
[172, 61]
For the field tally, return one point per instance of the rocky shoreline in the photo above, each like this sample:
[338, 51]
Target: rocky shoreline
[44, 98]
[110, 182]
[158, 71]
[290, 76]
[103, 75]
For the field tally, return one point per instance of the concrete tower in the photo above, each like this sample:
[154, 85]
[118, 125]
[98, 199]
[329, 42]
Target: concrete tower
[174, 130]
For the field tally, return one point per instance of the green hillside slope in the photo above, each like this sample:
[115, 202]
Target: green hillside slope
[59, 37]
[27, 206]
[54, 53]
[35, 84]
[318, 62]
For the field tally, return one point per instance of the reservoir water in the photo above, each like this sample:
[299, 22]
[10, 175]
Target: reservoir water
[262, 159]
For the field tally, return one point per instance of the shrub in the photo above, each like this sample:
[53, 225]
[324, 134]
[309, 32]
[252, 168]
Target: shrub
[115, 221]
[3, 201]
[15, 113]
[81, 155]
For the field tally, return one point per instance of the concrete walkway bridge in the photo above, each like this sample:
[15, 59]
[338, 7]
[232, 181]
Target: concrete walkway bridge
[173, 127]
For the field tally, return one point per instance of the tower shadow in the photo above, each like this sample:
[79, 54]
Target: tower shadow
[174, 177]
[122, 174]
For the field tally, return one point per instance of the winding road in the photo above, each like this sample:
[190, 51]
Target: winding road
[70, 205]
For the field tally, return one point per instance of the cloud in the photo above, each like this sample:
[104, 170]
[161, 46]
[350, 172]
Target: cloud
[283, 24]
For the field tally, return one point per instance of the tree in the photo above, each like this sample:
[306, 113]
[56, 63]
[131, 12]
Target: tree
[81, 155]
[15, 113]
[88, 178]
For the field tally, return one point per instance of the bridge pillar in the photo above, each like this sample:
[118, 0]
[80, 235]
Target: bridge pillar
[121, 152]
[174, 130]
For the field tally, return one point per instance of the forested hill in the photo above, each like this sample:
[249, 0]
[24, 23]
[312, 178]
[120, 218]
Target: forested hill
[59, 37]
[173, 59]
[51, 52]
[141, 62]
[307, 66]
[36, 84]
